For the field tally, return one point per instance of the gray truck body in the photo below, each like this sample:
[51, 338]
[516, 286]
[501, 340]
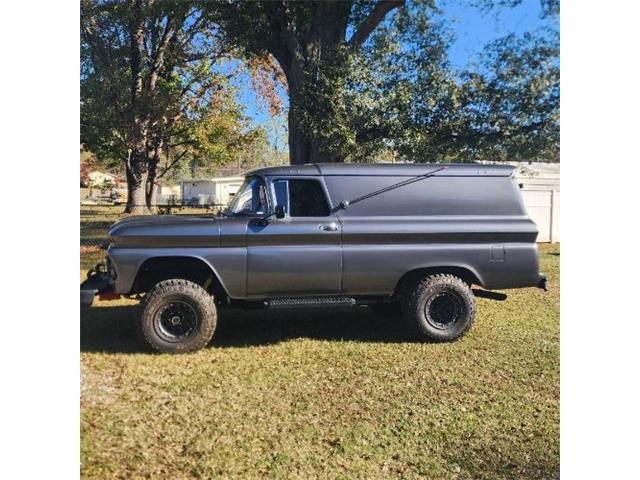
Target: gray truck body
[468, 219]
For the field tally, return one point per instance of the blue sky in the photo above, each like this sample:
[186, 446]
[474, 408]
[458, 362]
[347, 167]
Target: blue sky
[472, 29]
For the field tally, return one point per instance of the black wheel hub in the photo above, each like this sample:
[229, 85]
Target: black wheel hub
[176, 321]
[443, 309]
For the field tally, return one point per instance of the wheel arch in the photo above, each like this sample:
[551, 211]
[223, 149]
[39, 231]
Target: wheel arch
[468, 274]
[187, 267]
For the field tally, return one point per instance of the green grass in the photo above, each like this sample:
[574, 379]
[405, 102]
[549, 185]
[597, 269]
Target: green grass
[331, 394]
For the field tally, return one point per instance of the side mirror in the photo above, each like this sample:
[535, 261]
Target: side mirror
[279, 211]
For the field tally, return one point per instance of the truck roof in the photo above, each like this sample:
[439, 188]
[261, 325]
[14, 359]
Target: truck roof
[388, 169]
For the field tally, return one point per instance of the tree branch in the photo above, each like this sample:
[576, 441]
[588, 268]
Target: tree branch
[372, 21]
[168, 167]
[159, 53]
[193, 30]
[136, 43]
[289, 54]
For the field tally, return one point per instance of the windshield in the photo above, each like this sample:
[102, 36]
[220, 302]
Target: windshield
[251, 198]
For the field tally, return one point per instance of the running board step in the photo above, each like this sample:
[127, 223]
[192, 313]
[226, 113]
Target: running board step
[301, 302]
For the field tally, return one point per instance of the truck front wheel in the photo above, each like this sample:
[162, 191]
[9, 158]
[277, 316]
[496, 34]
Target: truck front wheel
[177, 316]
[440, 308]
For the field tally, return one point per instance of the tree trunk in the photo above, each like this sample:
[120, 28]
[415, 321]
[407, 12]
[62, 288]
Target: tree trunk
[136, 174]
[151, 185]
[151, 193]
[302, 147]
[304, 50]
[299, 143]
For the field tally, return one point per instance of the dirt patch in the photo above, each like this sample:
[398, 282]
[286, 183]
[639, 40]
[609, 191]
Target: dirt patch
[89, 249]
[96, 388]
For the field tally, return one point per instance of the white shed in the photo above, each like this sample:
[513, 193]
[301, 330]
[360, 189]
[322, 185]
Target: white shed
[169, 195]
[215, 191]
[225, 188]
[197, 192]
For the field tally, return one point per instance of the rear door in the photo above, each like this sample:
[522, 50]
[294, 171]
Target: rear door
[301, 253]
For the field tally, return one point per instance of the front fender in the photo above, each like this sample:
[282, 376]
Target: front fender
[229, 264]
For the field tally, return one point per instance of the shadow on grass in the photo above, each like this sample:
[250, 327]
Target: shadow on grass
[507, 465]
[109, 329]
[113, 329]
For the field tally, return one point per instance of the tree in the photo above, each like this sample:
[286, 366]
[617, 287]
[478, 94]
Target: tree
[510, 109]
[404, 96]
[216, 137]
[389, 88]
[311, 44]
[145, 66]
[222, 135]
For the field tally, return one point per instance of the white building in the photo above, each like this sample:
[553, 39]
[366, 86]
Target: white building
[215, 191]
[168, 195]
[97, 179]
[538, 176]
[540, 184]
[226, 188]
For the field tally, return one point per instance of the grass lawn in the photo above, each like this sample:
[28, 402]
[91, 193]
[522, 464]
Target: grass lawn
[327, 394]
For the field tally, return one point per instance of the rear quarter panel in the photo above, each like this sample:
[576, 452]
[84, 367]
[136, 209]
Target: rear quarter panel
[377, 252]
[476, 223]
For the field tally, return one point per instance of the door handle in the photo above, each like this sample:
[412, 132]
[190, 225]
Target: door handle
[328, 227]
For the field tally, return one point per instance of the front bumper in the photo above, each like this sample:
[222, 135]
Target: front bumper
[98, 281]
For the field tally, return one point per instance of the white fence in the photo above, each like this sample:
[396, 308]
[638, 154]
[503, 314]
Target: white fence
[543, 207]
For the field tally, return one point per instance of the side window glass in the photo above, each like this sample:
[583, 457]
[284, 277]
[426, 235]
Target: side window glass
[302, 198]
[281, 188]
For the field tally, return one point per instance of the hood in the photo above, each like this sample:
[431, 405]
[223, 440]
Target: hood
[166, 231]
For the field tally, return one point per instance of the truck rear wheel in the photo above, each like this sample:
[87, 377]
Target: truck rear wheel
[177, 316]
[440, 308]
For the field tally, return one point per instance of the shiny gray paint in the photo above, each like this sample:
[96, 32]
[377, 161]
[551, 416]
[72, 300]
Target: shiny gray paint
[466, 216]
[293, 256]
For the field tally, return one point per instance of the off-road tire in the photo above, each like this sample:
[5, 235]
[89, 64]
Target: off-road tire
[418, 308]
[197, 304]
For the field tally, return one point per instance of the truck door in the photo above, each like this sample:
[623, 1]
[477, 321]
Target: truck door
[299, 254]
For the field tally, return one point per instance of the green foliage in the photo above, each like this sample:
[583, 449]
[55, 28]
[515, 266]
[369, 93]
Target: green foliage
[403, 95]
[175, 64]
[222, 132]
[396, 95]
[389, 92]
[313, 43]
[511, 110]
[322, 105]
